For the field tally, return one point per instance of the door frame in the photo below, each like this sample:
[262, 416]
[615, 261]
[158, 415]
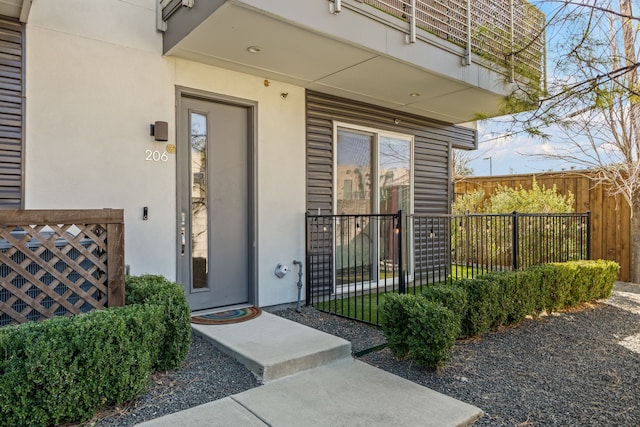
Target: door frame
[252, 166]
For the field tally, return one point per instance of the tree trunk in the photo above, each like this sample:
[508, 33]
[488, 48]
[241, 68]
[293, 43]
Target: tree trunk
[629, 30]
[635, 239]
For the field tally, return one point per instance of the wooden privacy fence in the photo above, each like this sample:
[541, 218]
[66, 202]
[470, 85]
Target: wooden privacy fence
[610, 216]
[59, 262]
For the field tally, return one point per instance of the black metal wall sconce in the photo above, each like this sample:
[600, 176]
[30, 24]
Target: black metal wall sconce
[160, 131]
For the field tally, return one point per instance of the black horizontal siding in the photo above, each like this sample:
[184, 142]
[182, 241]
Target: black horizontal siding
[432, 140]
[11, 114]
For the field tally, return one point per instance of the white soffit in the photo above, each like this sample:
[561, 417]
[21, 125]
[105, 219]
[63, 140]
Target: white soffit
[299, 56]
[390, 79]
[286, 50]
[11, 8]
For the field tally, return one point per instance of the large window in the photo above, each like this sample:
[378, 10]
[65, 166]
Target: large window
[373, 180]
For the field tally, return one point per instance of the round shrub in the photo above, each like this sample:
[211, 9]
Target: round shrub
[66, 368]
[170, 296]
[483, 306]
[423, 330]
[452, 297]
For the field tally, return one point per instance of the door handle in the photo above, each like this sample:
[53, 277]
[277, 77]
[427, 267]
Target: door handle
[183, 232]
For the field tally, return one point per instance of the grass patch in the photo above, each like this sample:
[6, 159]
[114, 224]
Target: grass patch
[364, 307]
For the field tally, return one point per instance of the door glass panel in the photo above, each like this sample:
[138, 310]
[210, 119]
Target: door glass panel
[354, 245]
[394, 186]
[199, 212]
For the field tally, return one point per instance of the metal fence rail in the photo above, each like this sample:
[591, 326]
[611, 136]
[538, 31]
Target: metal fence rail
[353, 261]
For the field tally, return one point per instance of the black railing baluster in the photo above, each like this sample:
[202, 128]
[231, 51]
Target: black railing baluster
[401, 280]
[310, 277]
[349, 257]
[588, 235]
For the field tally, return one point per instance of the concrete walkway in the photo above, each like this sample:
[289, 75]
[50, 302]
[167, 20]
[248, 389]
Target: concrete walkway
[627, 297]
[310, 379]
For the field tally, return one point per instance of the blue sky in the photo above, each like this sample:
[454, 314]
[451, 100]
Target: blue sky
[511, 154]
[515, 154]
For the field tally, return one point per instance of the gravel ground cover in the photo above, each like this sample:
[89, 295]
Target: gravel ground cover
[561, 370]
[206, 375]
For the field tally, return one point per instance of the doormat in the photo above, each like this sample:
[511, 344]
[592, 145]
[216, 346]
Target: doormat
[227, 317]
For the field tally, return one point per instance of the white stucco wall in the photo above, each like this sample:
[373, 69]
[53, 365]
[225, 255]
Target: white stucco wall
[95, 80]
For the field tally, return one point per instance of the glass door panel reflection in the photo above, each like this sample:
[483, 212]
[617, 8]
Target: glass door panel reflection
[355, 249]
[394, 186]
[199, 210]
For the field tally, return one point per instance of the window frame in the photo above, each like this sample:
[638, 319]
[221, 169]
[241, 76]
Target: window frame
[375, 168]
[375, 162]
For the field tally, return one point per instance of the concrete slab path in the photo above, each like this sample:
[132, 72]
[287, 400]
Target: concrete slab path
[310, 379]
[346, 392]
[272, 347]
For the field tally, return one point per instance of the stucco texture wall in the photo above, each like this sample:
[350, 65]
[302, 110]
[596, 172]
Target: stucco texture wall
[95, 80]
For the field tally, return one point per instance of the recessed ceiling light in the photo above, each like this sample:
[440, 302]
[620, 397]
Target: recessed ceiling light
[414, 94]
[254, 49]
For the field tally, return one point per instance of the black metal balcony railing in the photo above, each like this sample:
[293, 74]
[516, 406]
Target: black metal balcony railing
[352, 261]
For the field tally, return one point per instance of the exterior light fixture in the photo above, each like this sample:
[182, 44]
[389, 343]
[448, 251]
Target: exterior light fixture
[160, 131]
[254, 49]
[414, 94]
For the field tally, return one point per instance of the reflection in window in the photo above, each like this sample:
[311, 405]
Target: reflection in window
[394, 186]
[354, 165]
[199, 214]
[373, 176]
[394, 174]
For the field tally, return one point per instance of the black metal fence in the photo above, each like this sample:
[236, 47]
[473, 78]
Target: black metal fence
[353, 261]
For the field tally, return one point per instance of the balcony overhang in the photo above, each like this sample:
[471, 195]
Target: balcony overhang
[18, 9]
[357, 54]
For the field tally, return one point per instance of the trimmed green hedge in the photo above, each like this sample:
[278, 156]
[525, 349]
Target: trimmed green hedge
[425, 327]
[482, 300]
[506, 298]
[454, 298]
[423, 330]
[66, 368]
[150, 289]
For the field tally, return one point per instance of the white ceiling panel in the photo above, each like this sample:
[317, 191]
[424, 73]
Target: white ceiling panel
[11, 8]
[392, 81]
[304, 55]
[294, 54]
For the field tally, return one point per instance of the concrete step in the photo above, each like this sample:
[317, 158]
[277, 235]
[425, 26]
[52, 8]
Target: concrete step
[346, 392]
[273, 347]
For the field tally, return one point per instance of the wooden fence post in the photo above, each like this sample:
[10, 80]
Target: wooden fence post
[115, 264]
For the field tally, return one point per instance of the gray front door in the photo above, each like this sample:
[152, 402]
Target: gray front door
[214, 203]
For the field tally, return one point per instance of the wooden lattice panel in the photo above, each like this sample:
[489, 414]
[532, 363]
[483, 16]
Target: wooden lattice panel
[57, 268]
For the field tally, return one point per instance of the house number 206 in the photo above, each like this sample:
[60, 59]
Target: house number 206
[156, 156]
